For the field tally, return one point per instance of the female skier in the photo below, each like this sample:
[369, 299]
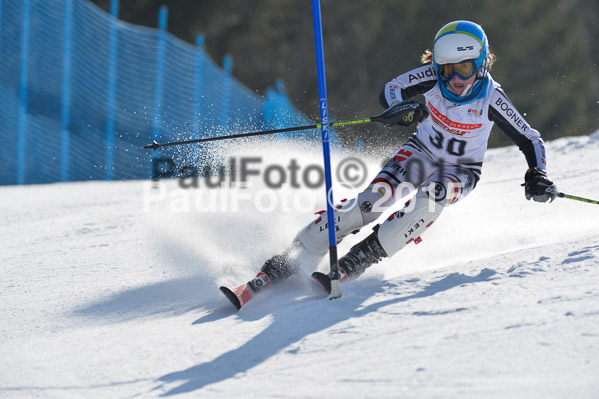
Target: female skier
[442, 160]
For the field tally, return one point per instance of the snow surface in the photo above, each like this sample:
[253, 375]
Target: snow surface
[108, 292]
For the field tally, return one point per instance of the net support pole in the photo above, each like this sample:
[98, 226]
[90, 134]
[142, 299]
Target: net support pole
[23, 94]
[111, 97]
[160, 68]
[66, 91]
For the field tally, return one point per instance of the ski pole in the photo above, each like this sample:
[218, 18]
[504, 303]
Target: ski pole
[156, 145]
[573, 197]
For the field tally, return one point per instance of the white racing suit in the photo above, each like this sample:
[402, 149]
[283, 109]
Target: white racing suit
[443, 161]
[410, 169]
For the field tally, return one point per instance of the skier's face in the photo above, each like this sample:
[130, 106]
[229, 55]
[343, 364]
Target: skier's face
[458, 85]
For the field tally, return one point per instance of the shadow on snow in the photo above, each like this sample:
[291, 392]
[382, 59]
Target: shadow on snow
[289, 326]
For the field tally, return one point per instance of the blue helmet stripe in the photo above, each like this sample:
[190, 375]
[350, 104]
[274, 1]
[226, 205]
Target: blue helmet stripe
[470, 29]
[466, 27]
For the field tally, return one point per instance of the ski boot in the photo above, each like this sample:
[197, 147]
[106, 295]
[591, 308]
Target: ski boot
[274, 270]
[360, 257]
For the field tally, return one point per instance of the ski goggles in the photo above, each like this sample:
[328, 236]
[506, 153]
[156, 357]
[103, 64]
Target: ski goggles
[464, 70]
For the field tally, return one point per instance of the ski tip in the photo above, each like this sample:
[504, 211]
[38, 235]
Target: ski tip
[323, 280]
[231, 297]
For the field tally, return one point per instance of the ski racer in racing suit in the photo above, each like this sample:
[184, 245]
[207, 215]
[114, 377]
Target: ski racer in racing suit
[442, 161]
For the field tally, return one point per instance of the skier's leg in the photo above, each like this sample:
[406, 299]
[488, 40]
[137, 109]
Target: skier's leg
[405, 171]
[314, 239]
[349, 217]
[408, 169]
[443, 188]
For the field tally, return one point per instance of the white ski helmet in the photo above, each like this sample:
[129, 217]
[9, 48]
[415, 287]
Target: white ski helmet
[462, 42]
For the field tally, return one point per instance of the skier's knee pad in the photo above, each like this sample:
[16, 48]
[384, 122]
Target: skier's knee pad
[448, 186]
[315, 236]
[406, 225]
[372, 203]
[443, 188]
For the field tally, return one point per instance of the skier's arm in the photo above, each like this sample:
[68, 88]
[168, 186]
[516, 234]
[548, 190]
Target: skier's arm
[407, 85]
[536, 184]
[509, 120]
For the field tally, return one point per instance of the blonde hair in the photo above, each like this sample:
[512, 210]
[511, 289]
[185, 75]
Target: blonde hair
[427, 57]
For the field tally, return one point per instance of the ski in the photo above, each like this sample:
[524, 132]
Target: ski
[323, 280]
[238, 296]
[241, 294]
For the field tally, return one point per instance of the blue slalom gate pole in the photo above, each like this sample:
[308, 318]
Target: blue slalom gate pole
[324, 128]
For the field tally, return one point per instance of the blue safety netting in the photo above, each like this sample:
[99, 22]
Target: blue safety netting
[81, 92]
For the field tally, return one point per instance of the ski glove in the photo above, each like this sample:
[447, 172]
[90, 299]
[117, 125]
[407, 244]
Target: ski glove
[403, 113]
[538, 187]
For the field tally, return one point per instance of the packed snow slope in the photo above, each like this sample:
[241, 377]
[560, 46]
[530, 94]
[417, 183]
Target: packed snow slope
[110, 290]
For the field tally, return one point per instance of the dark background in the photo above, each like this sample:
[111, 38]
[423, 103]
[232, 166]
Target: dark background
[547, 52]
